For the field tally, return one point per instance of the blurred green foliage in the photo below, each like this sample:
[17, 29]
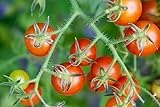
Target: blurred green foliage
[15, 18]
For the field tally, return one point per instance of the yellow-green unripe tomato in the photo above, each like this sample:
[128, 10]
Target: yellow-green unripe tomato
[20, 75]
[155, 88]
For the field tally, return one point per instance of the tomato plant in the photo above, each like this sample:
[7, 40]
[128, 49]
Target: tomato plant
[37, 39]
[148, 42]
[130, 12]
[21, 76]
[122, 81]
[102, 74]
[80, 45]
[31, 95]
[150, 11]
[155, 88]
[70, 81]
[112, 102]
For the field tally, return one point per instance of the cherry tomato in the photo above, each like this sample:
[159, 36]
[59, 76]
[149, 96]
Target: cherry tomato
[149, 48]
[155, 88]
[122, 81]
[113, 103]
[93, 85]
[38, 44]
[76, 82]
[104, 63]
[83, 43]
[150, 11]
[34, 97]
[20, 75]
[132, 12]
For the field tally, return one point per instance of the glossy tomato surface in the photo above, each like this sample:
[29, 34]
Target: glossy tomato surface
[83, 44]
[132, 12]
[38, 51]
[104, 62]
[113, 103]
[149, 48]
[77, 82]
[121, 82]
[29, 90]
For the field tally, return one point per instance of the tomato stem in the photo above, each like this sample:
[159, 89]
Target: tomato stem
[58, 38]
[135, 63]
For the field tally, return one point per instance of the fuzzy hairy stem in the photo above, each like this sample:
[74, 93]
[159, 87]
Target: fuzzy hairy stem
[44, 66]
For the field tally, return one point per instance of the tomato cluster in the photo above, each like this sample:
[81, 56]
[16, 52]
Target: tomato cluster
[149, 44]
[140, 23]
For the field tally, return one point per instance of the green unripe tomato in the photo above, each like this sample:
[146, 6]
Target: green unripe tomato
[20, 75]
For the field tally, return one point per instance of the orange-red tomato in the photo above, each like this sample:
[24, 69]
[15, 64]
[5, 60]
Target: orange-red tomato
[131, 14]
[113, 103]
[150, 11]
[45, 47]
[83, 43]
[77, 82]
[93, 85]
[104, 63]
[149, 48]
[158, 50]
[34, 98]
[122, 81]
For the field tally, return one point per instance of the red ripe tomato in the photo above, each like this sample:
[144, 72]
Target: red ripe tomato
[83, 43]
[29, 90]
[122, 81]
[150, 11]
[104, 62]
[93, 85]
[77, 82]
[113, 103]
[30, 42]
[149, 48]
[132, 12]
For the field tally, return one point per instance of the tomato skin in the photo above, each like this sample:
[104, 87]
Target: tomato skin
[149, 48]
[77, 83]
[20, 75]
[35, 99]
[122, 81]
[104, 62]
[93, 85]
[40, 51]
[112, 102]
[158, 50]
[155, 88]
[150, 8]
[132, 14]
[83, 43]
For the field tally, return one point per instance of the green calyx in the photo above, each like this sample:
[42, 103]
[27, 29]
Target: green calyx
[40, 35]
[141, 37]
